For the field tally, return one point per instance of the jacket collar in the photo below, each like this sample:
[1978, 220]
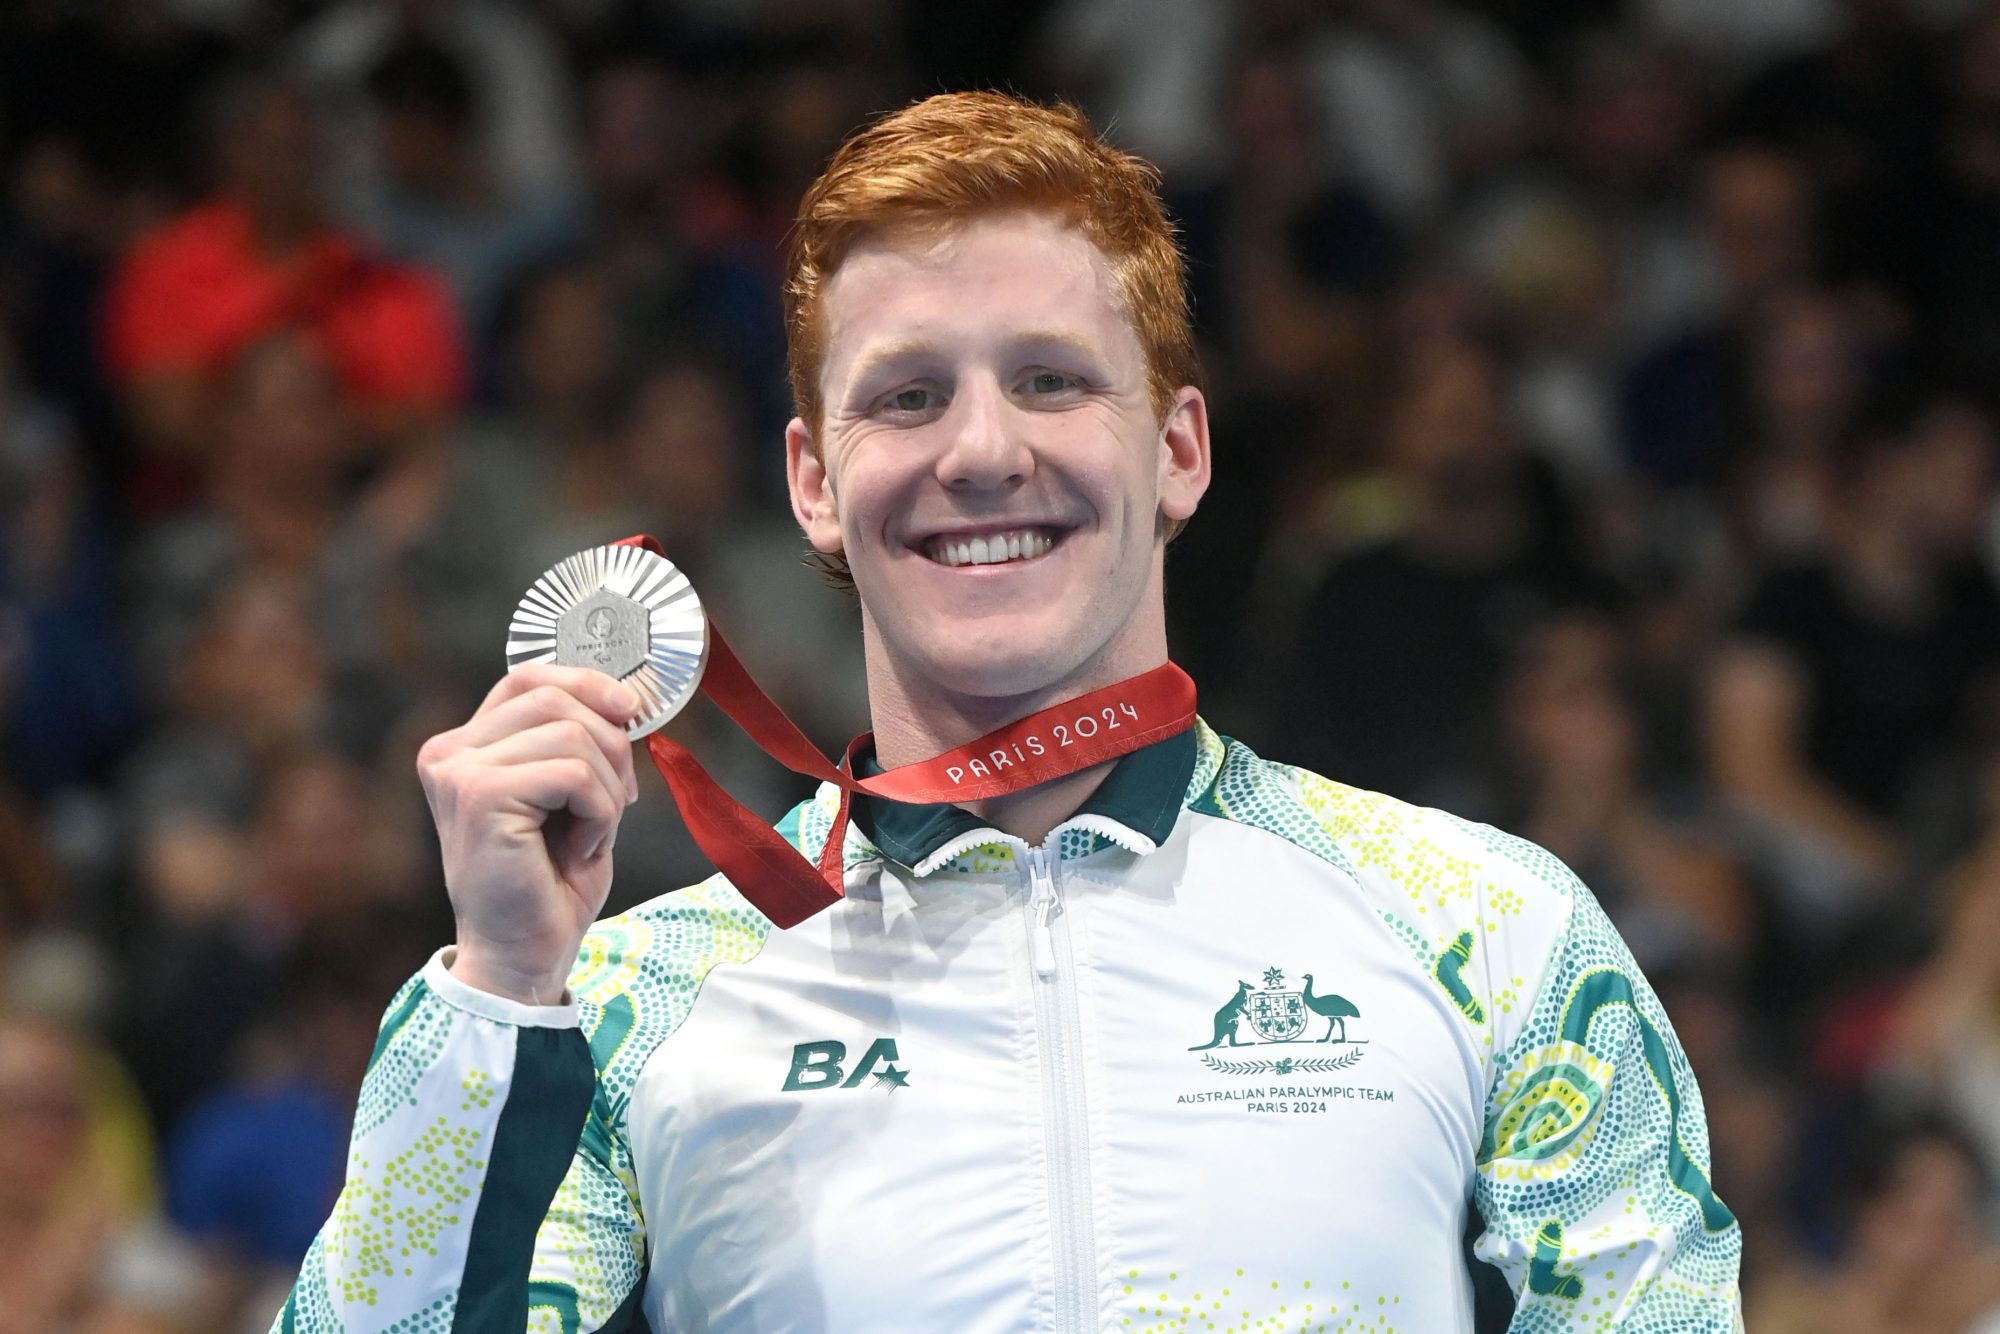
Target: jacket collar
[1135, 807]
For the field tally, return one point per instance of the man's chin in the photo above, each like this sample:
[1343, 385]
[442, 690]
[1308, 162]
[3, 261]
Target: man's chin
[984, 660]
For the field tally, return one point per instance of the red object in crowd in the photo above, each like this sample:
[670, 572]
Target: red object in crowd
[194, 293]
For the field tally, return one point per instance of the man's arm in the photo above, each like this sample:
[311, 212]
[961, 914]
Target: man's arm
[1593, 1168]
[483, 1191]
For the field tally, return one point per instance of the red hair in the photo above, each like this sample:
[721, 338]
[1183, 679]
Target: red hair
[957, 155]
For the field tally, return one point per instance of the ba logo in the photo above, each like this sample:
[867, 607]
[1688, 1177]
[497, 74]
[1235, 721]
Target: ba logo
[817, 1065]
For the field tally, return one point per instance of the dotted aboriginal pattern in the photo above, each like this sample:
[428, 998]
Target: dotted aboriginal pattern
[1593, 1176]
[415, 1029]
[1427, 865]
[1579, 1150]
[1253, 1303]
[313, 1309]
[390, 1218]
[635, 981]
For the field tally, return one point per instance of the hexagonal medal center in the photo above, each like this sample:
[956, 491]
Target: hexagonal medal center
[606, 631]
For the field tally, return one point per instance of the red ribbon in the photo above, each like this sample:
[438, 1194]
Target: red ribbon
[1062, 739]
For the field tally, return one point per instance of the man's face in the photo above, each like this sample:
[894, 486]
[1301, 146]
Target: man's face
[991, 463]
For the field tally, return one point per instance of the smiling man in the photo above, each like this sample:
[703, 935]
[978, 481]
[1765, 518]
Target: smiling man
[1184, 1039]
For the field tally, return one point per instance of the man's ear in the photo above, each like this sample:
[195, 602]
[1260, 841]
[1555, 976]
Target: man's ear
[1184, 454]
[812, 490]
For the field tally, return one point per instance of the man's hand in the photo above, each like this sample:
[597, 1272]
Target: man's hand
[527, 797]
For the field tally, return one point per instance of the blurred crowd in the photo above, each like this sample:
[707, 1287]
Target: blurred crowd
[1605, 406]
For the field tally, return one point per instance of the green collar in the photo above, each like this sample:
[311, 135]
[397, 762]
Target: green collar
[1140, 798]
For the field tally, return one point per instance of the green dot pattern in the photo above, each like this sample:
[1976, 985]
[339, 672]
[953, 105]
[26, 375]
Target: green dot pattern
[417, 1158]
[1249, 1302]
[635, 981]
[1574, 1134]
[394, 1075]
[1575, 1150]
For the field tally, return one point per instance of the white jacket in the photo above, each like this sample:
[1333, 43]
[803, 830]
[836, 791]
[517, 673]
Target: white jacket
[1236, 1049]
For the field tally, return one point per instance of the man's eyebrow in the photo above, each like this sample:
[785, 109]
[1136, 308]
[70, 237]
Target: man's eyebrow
[875, 359]
[872, 362]
[1062, 339]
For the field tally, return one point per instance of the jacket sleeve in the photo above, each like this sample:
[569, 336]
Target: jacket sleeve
[1593, 1167]
[484, 1188]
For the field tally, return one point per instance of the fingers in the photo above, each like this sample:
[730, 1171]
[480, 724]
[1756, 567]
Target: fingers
[609, 697]
[567, 784]
[553, 702]
[565, 738]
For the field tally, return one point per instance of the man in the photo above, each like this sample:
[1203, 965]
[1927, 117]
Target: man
[1183, 1040]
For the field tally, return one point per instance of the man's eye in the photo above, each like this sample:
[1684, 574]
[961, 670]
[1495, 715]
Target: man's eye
[1049, 382]
[910, 400]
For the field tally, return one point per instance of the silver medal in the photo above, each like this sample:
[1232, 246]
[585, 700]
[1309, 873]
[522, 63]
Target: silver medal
[622, 611]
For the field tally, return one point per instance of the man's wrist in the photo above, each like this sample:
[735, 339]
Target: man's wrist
[480, 969]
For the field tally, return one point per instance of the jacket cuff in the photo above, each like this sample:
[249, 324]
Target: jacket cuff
[462, 995]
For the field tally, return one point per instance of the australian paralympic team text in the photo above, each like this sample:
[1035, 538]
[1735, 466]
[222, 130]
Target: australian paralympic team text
[1080, 728]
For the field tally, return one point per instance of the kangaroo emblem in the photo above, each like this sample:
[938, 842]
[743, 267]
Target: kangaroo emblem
[1226, 1019]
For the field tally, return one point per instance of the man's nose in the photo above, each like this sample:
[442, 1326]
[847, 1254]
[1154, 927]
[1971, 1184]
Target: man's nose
[986, 449]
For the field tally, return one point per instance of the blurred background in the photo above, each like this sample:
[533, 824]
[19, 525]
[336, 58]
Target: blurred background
[1605, 447]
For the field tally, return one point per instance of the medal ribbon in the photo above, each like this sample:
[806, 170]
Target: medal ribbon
[1100, 725]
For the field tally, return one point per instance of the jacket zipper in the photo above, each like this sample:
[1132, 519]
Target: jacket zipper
[1065, 1110]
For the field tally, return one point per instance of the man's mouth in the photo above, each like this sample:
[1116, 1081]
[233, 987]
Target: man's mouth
[991, 548]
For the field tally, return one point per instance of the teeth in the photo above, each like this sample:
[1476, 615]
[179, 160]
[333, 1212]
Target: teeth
[991, 550]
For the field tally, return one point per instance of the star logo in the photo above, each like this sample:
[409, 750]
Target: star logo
[892, 1078]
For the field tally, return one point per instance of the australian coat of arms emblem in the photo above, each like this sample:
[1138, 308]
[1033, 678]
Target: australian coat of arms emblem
[1277, 1013]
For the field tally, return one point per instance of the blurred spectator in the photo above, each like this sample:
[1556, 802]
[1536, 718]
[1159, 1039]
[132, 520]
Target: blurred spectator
[1682, 404]
[1947, 1036]
[438, 204]
[1808, 369]
[74, 1251]
[1576, 746]
[262, 257]
[1919, 1254]
[66, 699]
[1862, 114]
[684, 220]
[1282, 246]
[228, 920]
[522, 99]
[1401, 654]
[1155, 69]
[1418, 94]
[1963, 279]
[103, 94]
[1849, 674]
[255, 1168]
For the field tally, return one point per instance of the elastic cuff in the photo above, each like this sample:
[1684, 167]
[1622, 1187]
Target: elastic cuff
[464, 996]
